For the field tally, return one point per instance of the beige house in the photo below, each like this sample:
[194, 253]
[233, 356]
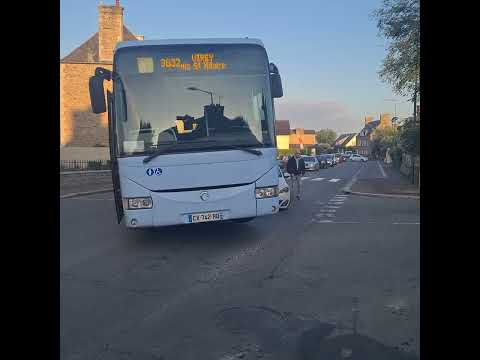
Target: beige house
[79, 127]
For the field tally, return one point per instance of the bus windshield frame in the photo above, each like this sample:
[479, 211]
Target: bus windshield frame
[169, 108]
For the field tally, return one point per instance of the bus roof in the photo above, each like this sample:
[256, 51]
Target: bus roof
[136, 43]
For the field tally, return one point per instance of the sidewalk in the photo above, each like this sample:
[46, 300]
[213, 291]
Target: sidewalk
[84, 182]
[393, 184]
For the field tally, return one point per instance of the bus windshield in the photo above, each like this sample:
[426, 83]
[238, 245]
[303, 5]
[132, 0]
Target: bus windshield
[169, 97]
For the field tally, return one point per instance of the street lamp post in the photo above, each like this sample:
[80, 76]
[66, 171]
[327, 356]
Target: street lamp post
[193, 88]
[395, 101]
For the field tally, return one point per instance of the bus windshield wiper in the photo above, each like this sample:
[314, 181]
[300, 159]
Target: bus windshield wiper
[247, 149]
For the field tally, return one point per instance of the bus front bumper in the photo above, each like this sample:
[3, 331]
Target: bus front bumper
[174, 208]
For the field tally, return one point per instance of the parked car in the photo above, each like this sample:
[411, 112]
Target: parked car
[283, 190]
[311, 163]
[330, 160]
[345, 157]
[338, 158]
[322, 160]
[356, 157]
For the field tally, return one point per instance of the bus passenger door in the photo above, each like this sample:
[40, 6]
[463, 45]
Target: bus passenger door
[112, 139]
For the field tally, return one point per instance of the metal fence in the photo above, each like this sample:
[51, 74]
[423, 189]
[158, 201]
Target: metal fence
[72, 165]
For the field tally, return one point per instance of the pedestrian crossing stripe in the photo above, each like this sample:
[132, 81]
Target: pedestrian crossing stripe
[320, 179]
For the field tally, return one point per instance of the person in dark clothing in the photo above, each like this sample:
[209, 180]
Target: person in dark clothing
[296, 169]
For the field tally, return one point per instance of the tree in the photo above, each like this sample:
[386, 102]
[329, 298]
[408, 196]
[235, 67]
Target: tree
[399, 21]
[383, 139]
[326, 136]
[409, 139]
[322, 148]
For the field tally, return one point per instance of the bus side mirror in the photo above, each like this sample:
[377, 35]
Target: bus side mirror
[275, 81]
[97, 92]
[276, 86]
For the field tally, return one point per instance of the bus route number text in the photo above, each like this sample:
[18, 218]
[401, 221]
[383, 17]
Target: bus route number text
[200, 62]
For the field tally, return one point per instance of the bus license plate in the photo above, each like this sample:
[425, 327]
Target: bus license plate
[205, 217]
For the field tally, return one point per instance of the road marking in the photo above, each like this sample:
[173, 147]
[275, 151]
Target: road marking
[365, 222]
[305, 177]
[381, 169]
[318, 179]
[324, 214]
[332, 207]
[327, 211]
[334, 180]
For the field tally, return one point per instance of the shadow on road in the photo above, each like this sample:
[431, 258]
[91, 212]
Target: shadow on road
[225, 234]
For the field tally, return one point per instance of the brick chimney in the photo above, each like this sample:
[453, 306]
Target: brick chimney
[110, 29]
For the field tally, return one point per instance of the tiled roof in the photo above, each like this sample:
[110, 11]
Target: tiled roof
[88, 51]
[282, 127]
[344, 139]
[372, 125]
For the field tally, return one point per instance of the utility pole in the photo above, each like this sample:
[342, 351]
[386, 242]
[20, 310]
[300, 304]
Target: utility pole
[414, 124]
[415, 104]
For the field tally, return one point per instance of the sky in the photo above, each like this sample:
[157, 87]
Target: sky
[328, 52]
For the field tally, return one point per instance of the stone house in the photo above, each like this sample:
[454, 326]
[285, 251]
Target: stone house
[79, 126]
[365, 136]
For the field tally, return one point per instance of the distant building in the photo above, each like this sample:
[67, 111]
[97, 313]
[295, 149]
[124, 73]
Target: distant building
[282, 129]
[345, 142]
[365, 136]
[79, 126]
[302, 139]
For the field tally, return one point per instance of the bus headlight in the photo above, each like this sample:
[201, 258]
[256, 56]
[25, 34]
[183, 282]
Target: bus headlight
[266, 192]
[284, 190]
[138, 203]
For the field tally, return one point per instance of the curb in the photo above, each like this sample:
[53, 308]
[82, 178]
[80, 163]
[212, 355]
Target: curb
[413, 197]
[348, 188]
[67, 196]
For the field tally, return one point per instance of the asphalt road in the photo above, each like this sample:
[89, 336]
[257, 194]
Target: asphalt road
[247, 291]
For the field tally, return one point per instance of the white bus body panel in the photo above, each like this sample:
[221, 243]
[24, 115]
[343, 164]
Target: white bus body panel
[196, 173]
